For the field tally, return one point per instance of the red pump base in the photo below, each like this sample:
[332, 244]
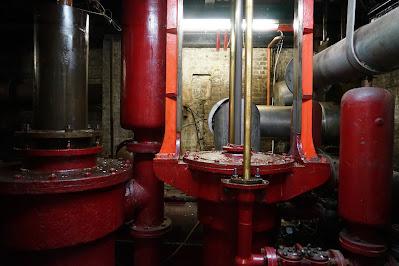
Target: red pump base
[226, 208]
[63, 217]
[96, 253]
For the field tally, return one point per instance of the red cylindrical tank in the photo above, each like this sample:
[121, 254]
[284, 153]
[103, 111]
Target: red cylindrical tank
[365, 169]
[144, 59]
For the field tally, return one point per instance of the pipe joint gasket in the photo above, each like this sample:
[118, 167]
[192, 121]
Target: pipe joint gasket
[351, 54]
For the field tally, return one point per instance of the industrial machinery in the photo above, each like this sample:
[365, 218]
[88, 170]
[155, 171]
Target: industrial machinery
[61, 205]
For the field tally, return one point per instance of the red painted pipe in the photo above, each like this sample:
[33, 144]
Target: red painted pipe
[143, 111]
[217, 41]
[144, 67]
[220, 230]
[149, 224]
[218, 247]
[225, 40]
[152, 213]
[244, 236]
[219, 236]
[365, 168]
[245, 227]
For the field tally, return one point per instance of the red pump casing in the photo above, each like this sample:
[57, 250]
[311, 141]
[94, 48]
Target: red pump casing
[366, 143]
[144, 56]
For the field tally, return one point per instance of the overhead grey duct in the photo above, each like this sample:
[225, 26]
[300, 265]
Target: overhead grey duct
[376, 46]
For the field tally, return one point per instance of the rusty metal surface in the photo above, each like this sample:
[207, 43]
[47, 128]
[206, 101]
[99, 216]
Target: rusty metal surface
[223, 162]
[205, 184]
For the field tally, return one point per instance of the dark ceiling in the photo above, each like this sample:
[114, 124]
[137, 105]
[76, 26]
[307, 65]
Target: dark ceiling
[16, 18]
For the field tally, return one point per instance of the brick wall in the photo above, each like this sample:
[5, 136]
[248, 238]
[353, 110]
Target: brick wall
[206, 81]
[390, 81]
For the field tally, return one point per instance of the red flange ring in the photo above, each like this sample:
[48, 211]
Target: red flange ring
[361, 245]
[151, 231]
[49, 160]
[60, 152]
[144, 147]
[227, 163]
[271, 256]
[108, 172]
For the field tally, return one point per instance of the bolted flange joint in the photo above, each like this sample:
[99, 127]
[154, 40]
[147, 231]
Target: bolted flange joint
[151, 231]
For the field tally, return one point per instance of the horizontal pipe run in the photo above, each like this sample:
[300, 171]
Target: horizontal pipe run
[376, 45]
[275, 121]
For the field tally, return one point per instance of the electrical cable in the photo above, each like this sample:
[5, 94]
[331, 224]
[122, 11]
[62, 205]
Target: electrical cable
[193, 114]
[279, 48]
[181, 244]
[101, 11]
[121, 145]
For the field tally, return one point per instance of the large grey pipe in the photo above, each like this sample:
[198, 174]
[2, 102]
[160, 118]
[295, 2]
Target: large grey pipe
[376, 45]
[272, 122]
[275, 121]
[238, 70]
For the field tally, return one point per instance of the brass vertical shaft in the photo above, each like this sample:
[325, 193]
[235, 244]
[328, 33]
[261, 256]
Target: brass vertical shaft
[248, 89]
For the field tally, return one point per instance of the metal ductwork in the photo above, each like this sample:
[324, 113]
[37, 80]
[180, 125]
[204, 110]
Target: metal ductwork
[376, 45]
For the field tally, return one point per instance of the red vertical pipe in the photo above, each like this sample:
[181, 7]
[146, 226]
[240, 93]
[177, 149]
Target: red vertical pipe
[152, 213]
[307, 80]
[219, 236]
[365, 171]
[225, 41]
[244, 236]
[217, 41]
[143, 111]
[219, 247]
[365, 168]
[245, 227]
[144, 61]
[149, 224]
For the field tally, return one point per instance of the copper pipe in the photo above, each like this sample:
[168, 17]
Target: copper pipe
[232, 77]
[65, 2]
[248, 89]
[268, 65]
[269, 71]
